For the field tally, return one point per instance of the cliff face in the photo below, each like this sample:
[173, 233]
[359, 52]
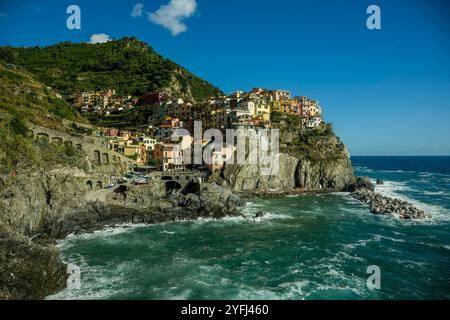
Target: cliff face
[329, 175]
[249, 178]
[311, 160]
[333, 175]
[40, 207]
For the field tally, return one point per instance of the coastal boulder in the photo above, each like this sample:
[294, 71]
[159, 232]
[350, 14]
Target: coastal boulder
[362, 183]
[20, 279]
[209, 199]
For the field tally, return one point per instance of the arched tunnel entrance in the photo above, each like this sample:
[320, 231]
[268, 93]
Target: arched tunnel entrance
[97, 157]
[172, 186]
[192, 187]
[106, 158]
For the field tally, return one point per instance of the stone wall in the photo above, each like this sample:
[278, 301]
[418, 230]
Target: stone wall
[95, 147]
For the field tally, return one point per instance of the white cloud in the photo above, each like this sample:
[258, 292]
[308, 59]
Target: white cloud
[137, 10]
[99, 38]
[171, 16]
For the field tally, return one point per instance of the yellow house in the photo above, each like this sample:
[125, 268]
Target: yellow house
[276, 106]
[261, 107]
[262, 117]
[131, 150]
[314, 109]
[136, 152]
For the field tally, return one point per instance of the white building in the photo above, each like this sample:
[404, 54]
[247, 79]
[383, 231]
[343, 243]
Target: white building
[313, 122]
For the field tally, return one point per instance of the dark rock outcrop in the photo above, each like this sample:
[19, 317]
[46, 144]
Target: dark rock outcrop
[361, 183]
[28, 270]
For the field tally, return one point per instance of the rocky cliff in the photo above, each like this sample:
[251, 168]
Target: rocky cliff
[312, 160]
[28, 270]
[38, 208]
[336, 175]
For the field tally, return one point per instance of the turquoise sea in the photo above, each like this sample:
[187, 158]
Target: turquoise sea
[305, 247]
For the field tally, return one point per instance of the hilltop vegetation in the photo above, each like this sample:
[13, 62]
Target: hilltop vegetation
[127, 65]
[319, 144]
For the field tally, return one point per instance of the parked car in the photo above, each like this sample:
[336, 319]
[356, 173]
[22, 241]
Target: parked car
[123, 180]
[121, 189]
[140, 181]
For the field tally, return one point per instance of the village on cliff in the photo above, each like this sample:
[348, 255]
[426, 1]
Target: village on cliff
[152, 146]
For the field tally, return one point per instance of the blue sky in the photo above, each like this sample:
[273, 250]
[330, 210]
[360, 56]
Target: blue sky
[386, 91]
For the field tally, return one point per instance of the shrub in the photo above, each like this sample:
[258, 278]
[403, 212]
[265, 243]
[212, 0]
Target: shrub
[17, 125]
[16, 152]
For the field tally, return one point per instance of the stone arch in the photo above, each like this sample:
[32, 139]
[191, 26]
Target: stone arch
[172, 185]
[99, 185]
[97, 158]
[105, 158]
[89, 185]
[42, 135]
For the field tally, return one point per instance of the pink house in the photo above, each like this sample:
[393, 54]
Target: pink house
[112, 132]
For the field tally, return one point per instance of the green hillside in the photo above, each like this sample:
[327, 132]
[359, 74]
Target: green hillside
[23, 101]
[127, 65]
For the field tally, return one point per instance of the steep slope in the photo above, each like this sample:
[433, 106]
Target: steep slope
[313, 160]
[24, 101]
[21, 93]
[127, 65]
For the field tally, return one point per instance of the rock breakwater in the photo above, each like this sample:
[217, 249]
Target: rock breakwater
[380, 204]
